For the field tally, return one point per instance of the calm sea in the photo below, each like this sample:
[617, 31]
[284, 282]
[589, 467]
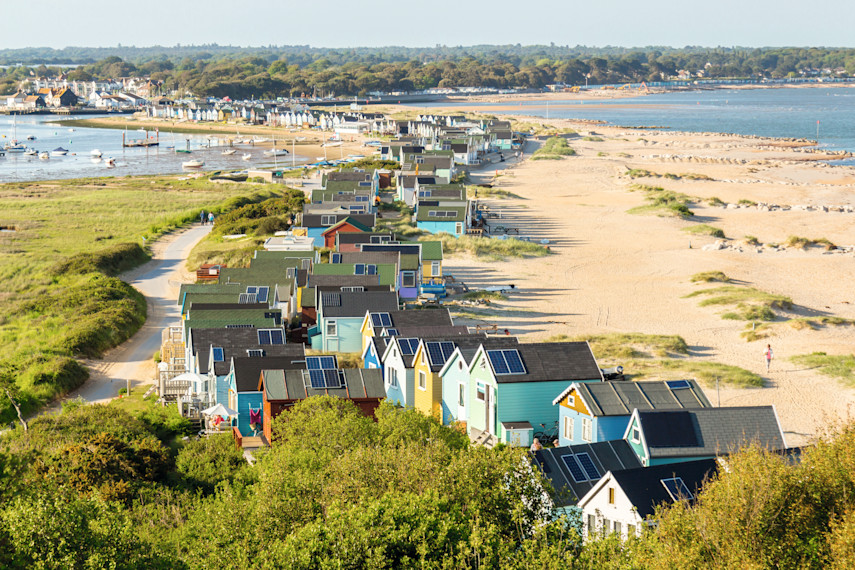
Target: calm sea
[765, 112]
[15, 167]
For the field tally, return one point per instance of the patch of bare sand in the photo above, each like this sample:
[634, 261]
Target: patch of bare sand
[612, 271]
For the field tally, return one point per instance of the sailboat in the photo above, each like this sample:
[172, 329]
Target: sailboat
[14, 145]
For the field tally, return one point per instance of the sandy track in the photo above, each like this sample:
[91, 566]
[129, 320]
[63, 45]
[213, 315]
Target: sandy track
[158, 281]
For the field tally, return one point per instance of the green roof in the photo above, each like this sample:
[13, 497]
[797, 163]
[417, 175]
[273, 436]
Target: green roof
[424, 214]
[209, 288]
[409, 262]
[385, 271]
[191, 298]
[307, 299]
[431, 250]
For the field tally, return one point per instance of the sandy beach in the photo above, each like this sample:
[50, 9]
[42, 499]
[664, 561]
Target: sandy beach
[615, 271]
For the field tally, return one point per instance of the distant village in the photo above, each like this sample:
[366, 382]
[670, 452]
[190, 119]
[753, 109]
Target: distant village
[339, 306]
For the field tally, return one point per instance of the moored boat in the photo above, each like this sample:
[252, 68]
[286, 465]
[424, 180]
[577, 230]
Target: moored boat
[247, 156]
[229, 152]
[95, 153]
[195, 163]
[44, 155]
[59, 151]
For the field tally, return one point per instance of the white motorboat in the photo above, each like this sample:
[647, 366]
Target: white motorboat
[31, 137]
[31, 152]
[276, 152]
[59, 151]
[110, 162]
[95, 153]
[247, 156]
[229, 152]
[195, 163]
[44, 155]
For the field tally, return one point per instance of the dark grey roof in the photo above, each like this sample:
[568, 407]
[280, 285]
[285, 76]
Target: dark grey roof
[360, 237]
[356, 304]
[644, 489]
[606, 455]
[352, 175]
[474, 341]
[426, 332]
[342, 280]
[248, 369]
[620, 398]
[555, 361]
[376, 257]
[710, 431]
[314, 220]
[419, 318]
[359, 383]
[234, 342]
[228, 307]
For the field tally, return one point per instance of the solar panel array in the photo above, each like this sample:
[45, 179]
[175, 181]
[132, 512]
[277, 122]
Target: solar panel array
[439, 352]
[321, 363]
[261, 295]
[588, 465]
[678, 384]
[581, 467]
[324, 379]
[506, 361]
[391, 332]
[574, 468]
[335, 258]
[381, 320]
[218, 354]
[677, 489]
[408, 345]
[270, 336]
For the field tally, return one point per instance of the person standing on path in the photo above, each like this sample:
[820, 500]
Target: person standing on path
[211, 218]
[203, 217]
[768, 354]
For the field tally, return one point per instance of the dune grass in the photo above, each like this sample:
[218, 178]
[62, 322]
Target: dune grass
[489, 248]
[555, 148]
[841, 367]
[485, 192]
[59, 300]
[660, 357]
[488, 295]
[750, 304]
[662, 202]
[705, 230]
[709, 277]
[757, 331]
[798, 242]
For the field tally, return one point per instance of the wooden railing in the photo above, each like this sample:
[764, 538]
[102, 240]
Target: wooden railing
[238, 437]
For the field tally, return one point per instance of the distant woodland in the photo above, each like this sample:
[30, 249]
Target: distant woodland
[276, 71]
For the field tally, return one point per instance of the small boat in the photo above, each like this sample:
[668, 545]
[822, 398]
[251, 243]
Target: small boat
[31, 152]
[257, 140]
[59, 151]
[195, 163]
[329, 144]
[44, 156]
[182, 150]
[15, 146]
[276, 152]
[95, 159]
[247, 156]
[31, 137]
[70, 130]
[110, 162]
[229, 152]
[95, 153]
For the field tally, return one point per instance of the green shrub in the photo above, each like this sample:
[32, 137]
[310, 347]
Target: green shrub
[206, 462]
[709, 276]
[705, 229]
[110, 261]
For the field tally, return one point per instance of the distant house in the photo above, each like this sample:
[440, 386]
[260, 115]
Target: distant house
[281, 389]
[372, 355]
[403, 320]
[316, 224]
[623, 501]
[591, 412]
[667, 437]
[340, 316]
[438, 217]
[517, 386]
[349, 242]
[347, 225]
[33, 102]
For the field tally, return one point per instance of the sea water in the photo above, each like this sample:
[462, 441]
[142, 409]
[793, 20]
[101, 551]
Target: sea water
[776, 112]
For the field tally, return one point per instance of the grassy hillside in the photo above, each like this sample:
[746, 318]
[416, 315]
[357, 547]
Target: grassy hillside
[59, 298]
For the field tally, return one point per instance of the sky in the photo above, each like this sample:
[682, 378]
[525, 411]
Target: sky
[336, 23]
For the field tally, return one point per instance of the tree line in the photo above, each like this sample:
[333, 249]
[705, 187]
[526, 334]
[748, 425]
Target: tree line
[298, 70]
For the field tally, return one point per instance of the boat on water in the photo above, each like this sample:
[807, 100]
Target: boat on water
[183, 150]
[195, 163]
[59, 151]
[229, 152]
[31, 137]
[15, 146]
[330, 144]
[276, 152]
[257, 140]
[110, 162]
[44, 155]
[95, 153]
[247, 156]
[31, 152]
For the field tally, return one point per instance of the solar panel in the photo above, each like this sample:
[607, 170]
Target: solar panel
[371, 270]
[332, 379]
[434, 353]
[261, 295]
[316, 377]
[276, 337]
[359, 269]
[252, 290]
[246, 298]
[447, 350]
[218, 354]
[336, 258]
[588, 465]
[677, 488]
[328, 362]
[385, 320]
[264, 337]
[678, 384]
[515, 363]
[407, 347]
[255, 352]
[498, 361]
[391, 332]
[574, 468]
[313, 363]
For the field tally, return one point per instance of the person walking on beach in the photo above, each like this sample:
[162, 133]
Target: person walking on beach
[768, 354]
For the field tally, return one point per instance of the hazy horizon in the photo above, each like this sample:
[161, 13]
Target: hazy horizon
[382, 23]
